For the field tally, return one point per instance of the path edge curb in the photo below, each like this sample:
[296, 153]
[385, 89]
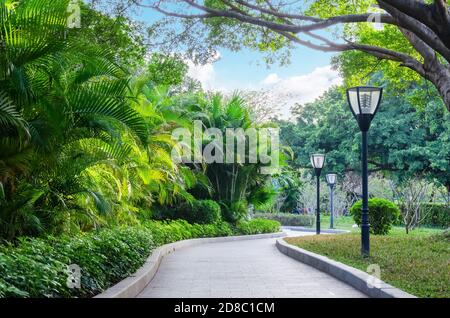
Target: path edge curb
[350, 275]
[131, 286]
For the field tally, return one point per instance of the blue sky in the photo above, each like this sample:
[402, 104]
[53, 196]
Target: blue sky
[251, 68]
[305, 79]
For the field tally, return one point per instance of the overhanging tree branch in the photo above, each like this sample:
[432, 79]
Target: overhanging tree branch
[435, 16]
[426, 26]
[418, 29]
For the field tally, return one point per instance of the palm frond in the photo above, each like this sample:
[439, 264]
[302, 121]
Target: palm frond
[88, 104]
[10, 118]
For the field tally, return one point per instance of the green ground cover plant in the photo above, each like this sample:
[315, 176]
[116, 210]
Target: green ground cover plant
[38, 267]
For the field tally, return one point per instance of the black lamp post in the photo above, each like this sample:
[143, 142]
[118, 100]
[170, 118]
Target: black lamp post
[317, 161]
[364, 102]
[331, 180]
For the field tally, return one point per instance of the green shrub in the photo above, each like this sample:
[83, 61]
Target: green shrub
[382, 214]
[163, 213]
[288, 219]
[38, 267]
[202, 212]
[257, 226]
[435, 214]
[233, 211]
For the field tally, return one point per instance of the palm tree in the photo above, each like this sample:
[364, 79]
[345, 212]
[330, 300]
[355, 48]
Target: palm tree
[63, 110]
[234, 184]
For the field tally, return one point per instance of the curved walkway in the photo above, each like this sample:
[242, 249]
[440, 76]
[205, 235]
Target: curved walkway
[241, 269]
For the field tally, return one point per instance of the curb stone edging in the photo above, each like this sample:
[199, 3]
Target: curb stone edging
[352, 276]
[306, 229]
[131, 286]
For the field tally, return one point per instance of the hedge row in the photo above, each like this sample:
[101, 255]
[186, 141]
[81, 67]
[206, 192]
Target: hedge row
[435, 214]
[288, 219]
[39, 267]
[257, 226]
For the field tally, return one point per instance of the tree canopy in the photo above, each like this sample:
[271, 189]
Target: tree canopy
[415, 36]
[403, 141]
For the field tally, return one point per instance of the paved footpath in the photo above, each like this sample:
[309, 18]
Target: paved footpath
[247, 269]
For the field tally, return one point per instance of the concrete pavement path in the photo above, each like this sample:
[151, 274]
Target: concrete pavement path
[247, 269]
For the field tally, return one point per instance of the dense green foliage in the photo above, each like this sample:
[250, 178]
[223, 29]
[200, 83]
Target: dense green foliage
[202, 212]
[382, 215]
[86, 138]
[288, 218]
[38, 267]
[402, 140]
[82, 143]
[166, 70]
[415, 263]
[257, 226]
[435, 214]
[235, 184]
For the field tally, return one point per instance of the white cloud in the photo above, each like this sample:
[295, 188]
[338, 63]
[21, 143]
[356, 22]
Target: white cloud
[303, 88]
[271, 79]
[205, 73]
[287, 91]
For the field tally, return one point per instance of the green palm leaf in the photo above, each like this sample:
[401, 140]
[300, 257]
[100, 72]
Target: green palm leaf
[10, 118]
[86, 104]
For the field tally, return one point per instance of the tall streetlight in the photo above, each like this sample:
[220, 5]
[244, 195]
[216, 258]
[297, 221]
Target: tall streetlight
[364, 102]
[317, 161]
[331, 180]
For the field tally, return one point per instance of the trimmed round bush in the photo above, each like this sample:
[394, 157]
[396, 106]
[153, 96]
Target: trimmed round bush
[382, 215]
[202, 212]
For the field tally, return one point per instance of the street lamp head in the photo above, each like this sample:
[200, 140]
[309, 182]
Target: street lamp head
[364, 102]
[331, 179]
[317, 161]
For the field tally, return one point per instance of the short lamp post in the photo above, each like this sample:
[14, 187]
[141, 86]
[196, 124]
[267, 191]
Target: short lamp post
[331, 181]
[364, 102]
[317, 161]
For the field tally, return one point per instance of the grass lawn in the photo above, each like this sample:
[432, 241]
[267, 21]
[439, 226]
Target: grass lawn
[418, 263]
[341, 223]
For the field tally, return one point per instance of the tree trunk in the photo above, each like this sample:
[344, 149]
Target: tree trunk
[439, 75]
[448, 194]
[444, 90]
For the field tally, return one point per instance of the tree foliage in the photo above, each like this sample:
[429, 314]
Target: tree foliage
[82, 142]
[403, 141]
